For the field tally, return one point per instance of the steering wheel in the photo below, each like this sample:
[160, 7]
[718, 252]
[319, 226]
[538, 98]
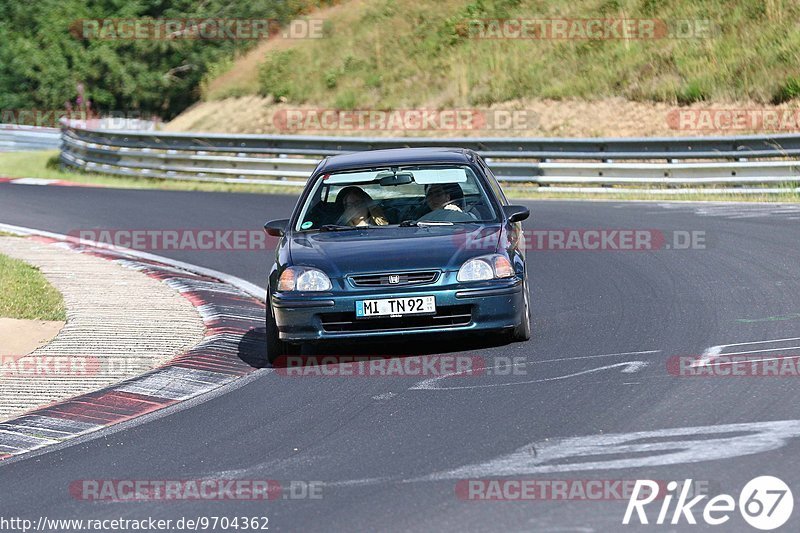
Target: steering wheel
[452, 202]
[424, 203]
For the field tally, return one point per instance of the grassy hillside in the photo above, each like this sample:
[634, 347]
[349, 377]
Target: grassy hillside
[395, 53]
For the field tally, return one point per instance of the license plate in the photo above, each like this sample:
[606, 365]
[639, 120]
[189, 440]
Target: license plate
[396, 307]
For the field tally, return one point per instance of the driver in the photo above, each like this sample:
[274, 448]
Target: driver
[444, 196]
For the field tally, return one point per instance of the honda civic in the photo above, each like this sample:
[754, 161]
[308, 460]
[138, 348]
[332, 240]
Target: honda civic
[398, 243]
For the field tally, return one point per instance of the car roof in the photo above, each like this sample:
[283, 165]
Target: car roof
[395, 156]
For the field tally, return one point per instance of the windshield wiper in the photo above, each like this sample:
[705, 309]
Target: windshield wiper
[423, 223]
[336, 227]
[434, 223]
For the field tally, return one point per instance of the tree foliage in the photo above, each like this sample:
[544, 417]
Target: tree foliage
[45, 66]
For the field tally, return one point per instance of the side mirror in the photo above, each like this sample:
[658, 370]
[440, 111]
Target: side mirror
[276, 228]
[516, 213]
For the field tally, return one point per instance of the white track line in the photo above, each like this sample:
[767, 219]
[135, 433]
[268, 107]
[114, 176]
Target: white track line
[33, 181]
[628, 367]
[758, 360]
[715, 351]
[708, 355]
[762, 351]
[431, 383]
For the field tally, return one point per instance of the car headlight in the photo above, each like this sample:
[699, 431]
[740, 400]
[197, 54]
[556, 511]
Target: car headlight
[485, 267]
[303, 279]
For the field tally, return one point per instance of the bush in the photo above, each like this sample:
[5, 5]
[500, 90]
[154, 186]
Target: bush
[788, 91]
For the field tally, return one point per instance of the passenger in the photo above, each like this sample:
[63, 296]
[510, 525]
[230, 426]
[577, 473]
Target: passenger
[358, 208]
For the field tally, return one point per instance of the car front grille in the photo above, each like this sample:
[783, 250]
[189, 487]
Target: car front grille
[394, 279]
[452, 315]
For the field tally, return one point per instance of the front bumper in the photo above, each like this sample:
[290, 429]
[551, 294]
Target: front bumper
[479, 306]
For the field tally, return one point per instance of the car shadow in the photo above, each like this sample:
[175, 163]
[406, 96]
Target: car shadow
[253, 347]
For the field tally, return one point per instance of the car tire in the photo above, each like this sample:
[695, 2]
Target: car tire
[522, 332]
[277, 348]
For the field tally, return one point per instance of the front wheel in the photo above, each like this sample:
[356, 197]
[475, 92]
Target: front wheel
[522, 332]
[277, 348]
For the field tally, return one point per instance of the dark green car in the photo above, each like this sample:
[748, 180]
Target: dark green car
[403, 242]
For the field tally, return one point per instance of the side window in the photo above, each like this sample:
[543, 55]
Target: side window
[493, 184]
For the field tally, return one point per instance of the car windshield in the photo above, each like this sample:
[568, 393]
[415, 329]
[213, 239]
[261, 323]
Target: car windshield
[403, 195]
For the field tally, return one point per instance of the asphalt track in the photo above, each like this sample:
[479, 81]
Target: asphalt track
[390, 450]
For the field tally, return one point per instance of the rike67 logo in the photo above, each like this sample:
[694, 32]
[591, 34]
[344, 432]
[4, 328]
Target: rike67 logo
[765, 503]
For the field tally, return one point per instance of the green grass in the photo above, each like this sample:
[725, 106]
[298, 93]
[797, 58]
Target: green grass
[26, 294]
[396, 53]
[45, 165]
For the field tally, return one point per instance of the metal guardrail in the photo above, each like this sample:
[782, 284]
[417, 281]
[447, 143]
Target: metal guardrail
[289, 159]
[17, 138]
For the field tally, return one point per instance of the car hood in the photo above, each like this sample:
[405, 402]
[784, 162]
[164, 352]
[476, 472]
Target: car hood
[339, 253]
